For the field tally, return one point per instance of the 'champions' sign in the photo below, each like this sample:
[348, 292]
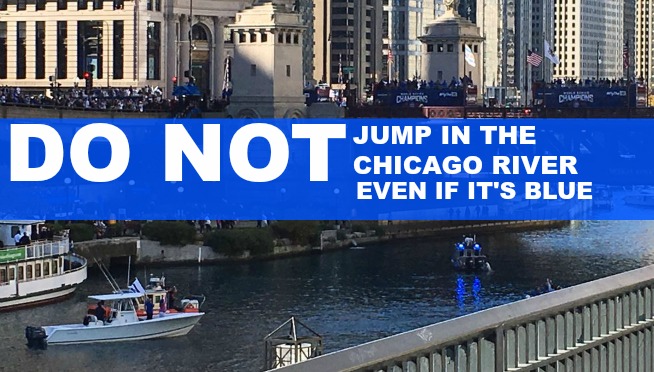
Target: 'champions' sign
[576, 97]
[408, 97]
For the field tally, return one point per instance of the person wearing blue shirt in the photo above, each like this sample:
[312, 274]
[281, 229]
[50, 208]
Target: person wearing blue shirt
[149, 308]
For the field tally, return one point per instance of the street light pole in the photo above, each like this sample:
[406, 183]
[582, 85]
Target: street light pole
[190, 42]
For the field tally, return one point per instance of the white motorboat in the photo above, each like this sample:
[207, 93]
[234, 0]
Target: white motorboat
[121, 324]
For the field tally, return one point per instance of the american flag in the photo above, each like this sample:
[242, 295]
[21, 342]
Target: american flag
[625, 55]
[533, 58]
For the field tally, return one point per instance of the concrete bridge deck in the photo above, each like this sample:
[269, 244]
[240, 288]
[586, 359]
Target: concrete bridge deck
[603, 325]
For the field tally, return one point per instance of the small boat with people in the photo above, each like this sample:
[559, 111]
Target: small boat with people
[114, 319]
[164, 297]
[468, 256]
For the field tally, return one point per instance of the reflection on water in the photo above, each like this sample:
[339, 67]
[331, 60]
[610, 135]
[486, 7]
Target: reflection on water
[349, 297]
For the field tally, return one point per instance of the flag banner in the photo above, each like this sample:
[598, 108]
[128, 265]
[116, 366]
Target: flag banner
[549, 54]
[332, 169]
[469, 57]
[534, 59]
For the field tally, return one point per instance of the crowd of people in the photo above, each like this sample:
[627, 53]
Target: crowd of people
[146, 99]
[588, 82]
[417, 85]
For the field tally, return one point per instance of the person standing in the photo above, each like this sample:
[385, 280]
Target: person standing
[149, 308]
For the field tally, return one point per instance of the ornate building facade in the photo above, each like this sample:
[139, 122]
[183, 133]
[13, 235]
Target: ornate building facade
[121, 43]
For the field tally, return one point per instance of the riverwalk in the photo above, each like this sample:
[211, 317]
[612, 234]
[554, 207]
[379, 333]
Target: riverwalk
[147, 252]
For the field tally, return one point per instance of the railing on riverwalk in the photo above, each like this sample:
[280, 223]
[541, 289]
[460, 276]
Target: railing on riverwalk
[603, 325]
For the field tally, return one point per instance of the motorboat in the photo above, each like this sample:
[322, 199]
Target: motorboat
[40, 272]
[642, 198]
[120, 323]
[468, 256]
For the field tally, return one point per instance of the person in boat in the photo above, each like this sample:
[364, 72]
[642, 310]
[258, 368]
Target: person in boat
[548, 285]
[149, 308]
[171, 297]
[469, 241]
[100, 311]
[162, 307]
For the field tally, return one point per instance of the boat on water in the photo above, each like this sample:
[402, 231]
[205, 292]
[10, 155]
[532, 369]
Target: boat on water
[121, 323]
[42, 271]
[643, 198]
[468, 256]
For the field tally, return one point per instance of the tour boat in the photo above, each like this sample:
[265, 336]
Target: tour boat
[468, 256]
[41, 272]
[121, 324]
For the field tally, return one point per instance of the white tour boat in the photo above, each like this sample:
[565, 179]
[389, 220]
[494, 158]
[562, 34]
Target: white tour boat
[121, 324]
[43, 271]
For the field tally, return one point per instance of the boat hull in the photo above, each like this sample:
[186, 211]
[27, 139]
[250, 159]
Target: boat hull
[161, 327]
[471, 264]
[35, 299]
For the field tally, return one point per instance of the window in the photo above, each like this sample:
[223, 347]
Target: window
[119, 4]
[21, 51]
[149, 4]
[154, 51]
[40, 4]
[82, 4]
[475, 48]
[3, 275]
[439, 48]
[280, 38]
[21, 4]
[28, 270]
[46, 268]
[288, 38]
[21, 273]
[288, 70]
[119, 31]
[62, 49]
[430, 48]
[296, 39]
[89, 48]
[37, 270]
[97, 4]
[157, 5]
[3, 4]
[253, 38]
[62, 4]
[40, 50]
[264, 37]
[253, 70]
[450, 48]
[55, 266]
[3, 50]
[241, 38]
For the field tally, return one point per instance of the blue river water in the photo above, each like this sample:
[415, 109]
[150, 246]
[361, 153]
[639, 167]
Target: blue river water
[349, 297]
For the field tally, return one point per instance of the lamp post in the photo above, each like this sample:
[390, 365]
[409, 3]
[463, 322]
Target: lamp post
[190, 42]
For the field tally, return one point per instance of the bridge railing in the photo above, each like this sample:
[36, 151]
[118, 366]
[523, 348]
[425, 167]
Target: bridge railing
[603, 325]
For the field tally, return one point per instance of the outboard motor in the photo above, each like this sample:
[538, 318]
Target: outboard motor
[36, 338]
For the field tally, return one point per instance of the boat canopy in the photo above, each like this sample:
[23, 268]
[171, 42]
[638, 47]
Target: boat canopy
[116, 296]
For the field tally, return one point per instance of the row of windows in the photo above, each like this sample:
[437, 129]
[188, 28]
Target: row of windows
[253, 70]
[440, 48]
[29, 271]
[90, 50]
[282, 38]
[81, 4]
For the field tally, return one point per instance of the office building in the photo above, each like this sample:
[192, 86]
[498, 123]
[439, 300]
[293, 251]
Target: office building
[589, 39]
[356, 43]
[403, 21]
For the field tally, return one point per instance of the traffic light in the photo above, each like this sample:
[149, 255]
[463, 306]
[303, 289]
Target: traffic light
[89, 81]
[174, 81]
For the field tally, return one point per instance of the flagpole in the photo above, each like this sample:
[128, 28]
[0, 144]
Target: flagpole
[542, 68]
[598, 62]
[526, 71]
